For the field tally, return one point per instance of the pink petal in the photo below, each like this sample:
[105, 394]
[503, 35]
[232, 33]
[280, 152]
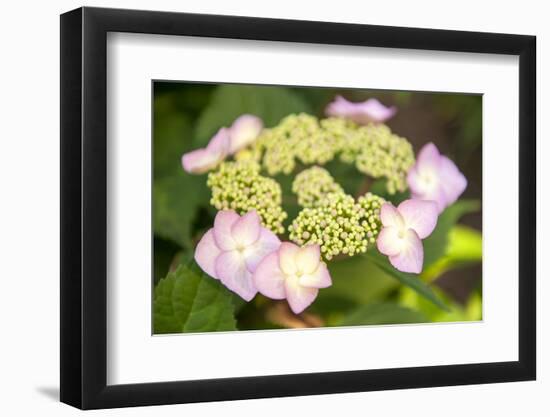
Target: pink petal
[414, 180]
[338, 107]
[268, 277]
[388, 241]
[437, 196]
[428, 157]
[453, 182]
[206, 253]
[232, 272]
[427, 186]
[266, 244]
[246, 230]
[435, 177]
[244, 131]
[376, 111]
[390, 216]
[220, 142]
[419, 215]
[298, 297]
[320, 278]
[287, 258]
[200, 161]
[365, 112]
[411, 257]
[223, 224]
[307, 258]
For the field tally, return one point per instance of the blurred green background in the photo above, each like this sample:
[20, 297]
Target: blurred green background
[364, 290]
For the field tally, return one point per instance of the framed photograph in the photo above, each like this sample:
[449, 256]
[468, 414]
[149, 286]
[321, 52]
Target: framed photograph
[259, 208]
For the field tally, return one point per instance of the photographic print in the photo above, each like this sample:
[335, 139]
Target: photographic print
[279, 207]
[256, 206]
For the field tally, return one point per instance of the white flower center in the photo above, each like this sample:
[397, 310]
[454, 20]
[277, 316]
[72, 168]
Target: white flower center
[428, 178]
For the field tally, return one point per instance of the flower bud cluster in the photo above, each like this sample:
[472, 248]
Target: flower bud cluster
[373, 148]
[298, 137]
[380, 153]
[312, 185]
[340, 225]
[239, 186]
[369, 213]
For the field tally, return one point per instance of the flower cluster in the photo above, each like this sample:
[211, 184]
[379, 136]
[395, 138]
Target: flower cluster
[298, 137]
[247, 258]
[239, 186]
[379, 153]
[373, 148]
[312, 186]
[243, 250]
[341, 131]
[340, 225]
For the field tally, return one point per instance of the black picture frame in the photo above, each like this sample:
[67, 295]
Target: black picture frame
[84, 207]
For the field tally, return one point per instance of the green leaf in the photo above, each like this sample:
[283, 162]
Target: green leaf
[172, 136]
[435, 245]
[317, 98]
[230, 101]
[164, 252]
[176, 200]
[347, 176]
[356, 281]
[188, 300]
[465, 244]
[177, 196]
[410, 280]
[464, 247]
[456, 312]
[359, 280]
[382, 313]
[378, 187]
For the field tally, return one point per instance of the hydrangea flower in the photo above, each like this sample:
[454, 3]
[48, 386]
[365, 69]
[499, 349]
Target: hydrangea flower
[244, 131]
[369, 111]
[297, 137]
[435, 177]
[202, 160]
[381, 153]
[403, 229]
[232, 249]
[294, 274]
[302, 138]
[227, 141]
[239, 186]
[335, 225]
[312, 185]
